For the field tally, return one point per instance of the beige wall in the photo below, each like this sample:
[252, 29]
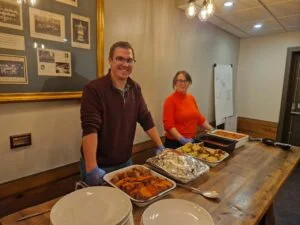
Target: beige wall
[260, 74]
[164, 41]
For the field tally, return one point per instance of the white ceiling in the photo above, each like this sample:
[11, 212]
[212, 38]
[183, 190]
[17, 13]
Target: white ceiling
[275, 16]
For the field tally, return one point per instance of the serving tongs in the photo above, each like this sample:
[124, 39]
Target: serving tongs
[271, 142]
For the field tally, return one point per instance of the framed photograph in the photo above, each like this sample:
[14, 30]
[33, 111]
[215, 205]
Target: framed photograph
[80, 31]
[47, 25]
[13, 69]
[11, 14]
[69, 2]
[54, 63]
[54, 51]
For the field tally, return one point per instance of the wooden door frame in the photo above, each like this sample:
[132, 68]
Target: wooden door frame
[286, 82]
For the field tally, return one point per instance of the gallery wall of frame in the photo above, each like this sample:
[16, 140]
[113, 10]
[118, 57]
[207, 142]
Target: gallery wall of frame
[49, 49]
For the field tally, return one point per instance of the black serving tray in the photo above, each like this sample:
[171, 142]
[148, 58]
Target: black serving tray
[217, 142]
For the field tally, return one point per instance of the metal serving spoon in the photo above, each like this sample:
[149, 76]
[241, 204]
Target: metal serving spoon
[206, 194]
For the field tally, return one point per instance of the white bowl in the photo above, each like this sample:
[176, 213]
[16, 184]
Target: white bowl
[92, 206]
[176, 211]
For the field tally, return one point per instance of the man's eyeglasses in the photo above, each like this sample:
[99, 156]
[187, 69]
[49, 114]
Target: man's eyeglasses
[182, 81]
[123, 60]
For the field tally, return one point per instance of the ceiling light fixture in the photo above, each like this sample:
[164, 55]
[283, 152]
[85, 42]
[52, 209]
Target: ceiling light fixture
[228, 4]
[257, 26]
[204, 11]
[191, 10]
[33, 2]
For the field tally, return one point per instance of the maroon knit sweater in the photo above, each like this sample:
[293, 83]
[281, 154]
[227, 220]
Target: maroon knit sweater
[105, 111]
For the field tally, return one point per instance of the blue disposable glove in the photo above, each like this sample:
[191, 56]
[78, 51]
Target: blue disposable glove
[95, 177]
[160, 149]
[183, 140]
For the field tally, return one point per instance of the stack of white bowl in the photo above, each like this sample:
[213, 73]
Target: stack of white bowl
[93, 206]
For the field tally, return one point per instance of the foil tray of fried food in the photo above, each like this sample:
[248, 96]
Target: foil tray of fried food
[205, 154]
[178, 166]
[141, 184]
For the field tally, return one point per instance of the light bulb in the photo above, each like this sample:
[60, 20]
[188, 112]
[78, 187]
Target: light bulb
[33, 2]
[19, 2]
[35, 45]
[42, 46]
[203, 16]
[210, 8]
[191, 10]
[228, 4]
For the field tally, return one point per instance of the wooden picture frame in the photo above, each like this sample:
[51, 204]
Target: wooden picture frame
[95, 53]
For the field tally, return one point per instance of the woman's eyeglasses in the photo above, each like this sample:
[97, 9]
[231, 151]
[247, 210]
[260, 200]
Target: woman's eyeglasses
[123, 60]
[182, 81]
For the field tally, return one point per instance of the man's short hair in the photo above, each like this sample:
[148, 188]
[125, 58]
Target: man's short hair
[120, 44]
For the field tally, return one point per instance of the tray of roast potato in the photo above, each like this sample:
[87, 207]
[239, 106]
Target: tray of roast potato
[210, 156]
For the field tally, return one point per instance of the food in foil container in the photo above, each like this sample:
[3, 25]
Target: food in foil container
[204, 153]
[178, 166]
[140, 184]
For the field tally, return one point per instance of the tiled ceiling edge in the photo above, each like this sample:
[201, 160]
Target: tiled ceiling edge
[225, 25]
[221, 23]
[269, 11]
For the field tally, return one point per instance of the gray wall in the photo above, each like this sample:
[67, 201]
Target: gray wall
[164, 40]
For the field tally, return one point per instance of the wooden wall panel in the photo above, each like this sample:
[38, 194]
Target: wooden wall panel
[21, 193]
[257, 128]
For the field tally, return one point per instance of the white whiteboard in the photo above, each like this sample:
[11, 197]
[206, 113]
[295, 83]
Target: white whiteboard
[223, 93]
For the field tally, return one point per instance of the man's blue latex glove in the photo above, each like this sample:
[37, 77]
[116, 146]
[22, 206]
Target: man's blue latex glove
[160, 149]
[95, 177]
[183, 140]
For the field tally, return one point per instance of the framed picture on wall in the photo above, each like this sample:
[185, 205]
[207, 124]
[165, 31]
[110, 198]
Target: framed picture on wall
[13, 69]
[53, 49]
[69, 2]
[46, 25]
[80, 31]
[11, 14]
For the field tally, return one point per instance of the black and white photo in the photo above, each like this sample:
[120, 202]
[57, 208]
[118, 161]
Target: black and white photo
[11, 14]
[13, 69]
[69, 2]
[62, 68]
[46, 25]
[80, 26]
[46, 56]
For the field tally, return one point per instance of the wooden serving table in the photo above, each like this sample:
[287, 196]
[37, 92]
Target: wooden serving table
[248, 182]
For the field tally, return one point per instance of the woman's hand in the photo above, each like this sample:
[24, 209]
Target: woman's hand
[184, 140]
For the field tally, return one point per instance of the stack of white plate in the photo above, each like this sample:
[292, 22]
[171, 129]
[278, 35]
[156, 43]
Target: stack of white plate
[93, 206]
[175, 211]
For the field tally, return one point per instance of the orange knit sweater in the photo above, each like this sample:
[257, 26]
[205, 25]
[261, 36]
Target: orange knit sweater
[181, 111]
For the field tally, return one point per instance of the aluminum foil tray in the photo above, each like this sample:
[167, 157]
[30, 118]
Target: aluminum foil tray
[178, 166]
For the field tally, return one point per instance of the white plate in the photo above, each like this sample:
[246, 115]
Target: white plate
[176, 211]
[93, 206]
[140, 203]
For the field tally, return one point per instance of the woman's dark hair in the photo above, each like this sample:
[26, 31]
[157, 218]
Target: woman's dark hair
[185, 74]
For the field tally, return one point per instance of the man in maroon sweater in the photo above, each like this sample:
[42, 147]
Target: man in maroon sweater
[111, 106]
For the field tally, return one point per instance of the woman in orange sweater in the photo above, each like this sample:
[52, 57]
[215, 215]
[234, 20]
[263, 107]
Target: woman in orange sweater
[181, 115]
